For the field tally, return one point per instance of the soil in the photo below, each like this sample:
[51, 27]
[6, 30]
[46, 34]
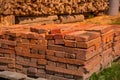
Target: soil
[103, 19]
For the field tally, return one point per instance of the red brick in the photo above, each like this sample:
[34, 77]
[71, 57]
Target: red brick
[8, 42]
[107, 37]
[62, 65]
[70, 43]
[49, 36]
[3, 67]
[23, 45]
[59, 41]
[89, 43]
[72, 67]
[101, 28]
[65, 71]
[69, 37]
[51, 63]
[42, 61]
[91, 63]
[53, 77]
[20, 67]
[12, 66]
[58, 36]
[86, 54]
[71, 56]
[25, 63]
[7, 51]
[37, 56]
[34, 60]
[7, 60]
[72, 35]
[116, 50]
[40, 47]
[87, 36]
[50, 52]
[56, 30]
[60, 54]
[38, 30]
[66, 60]
[32, 70]
[51, 42]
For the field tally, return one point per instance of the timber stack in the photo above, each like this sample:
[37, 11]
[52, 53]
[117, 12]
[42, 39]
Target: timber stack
[61, 10]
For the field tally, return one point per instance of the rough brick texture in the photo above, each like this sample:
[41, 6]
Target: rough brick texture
[59, 51]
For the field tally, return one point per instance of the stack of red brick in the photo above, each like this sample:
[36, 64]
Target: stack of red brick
[62, 52]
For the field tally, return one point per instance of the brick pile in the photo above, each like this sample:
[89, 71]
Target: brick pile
[116, 44]
[63, 52]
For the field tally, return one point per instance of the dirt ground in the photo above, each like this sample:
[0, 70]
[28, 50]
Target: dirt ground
[104, 19]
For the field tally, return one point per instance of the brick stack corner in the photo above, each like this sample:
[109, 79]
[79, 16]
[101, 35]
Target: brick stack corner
[62, 51]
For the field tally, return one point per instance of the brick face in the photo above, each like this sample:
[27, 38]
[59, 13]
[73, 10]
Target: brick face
[59, 51]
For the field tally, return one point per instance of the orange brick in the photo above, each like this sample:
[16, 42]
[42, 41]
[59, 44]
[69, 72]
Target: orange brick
[60, 54]
[55, 30]
[65, 60]
[72, 35]
[42, 61]
[36, 56]
[89, 43]
[108, 36]
[86, 54]
[8, 42]
[87, 36]
[65, 71]
[51, 42]
[101, 28]
[50, 52]
[70, 43]
[59, 41]
[7, 51]
[58, 36]
[91, 63]
[49, 36]
[7, 60]
[40, 47]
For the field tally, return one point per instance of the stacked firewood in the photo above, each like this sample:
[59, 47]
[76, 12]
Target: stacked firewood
[51, 7]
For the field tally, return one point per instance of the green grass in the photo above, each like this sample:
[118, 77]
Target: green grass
[116, 22]
[111, 73]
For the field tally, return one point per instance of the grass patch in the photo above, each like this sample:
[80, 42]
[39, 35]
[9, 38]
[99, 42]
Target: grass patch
[111, 73]
[116, 22]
